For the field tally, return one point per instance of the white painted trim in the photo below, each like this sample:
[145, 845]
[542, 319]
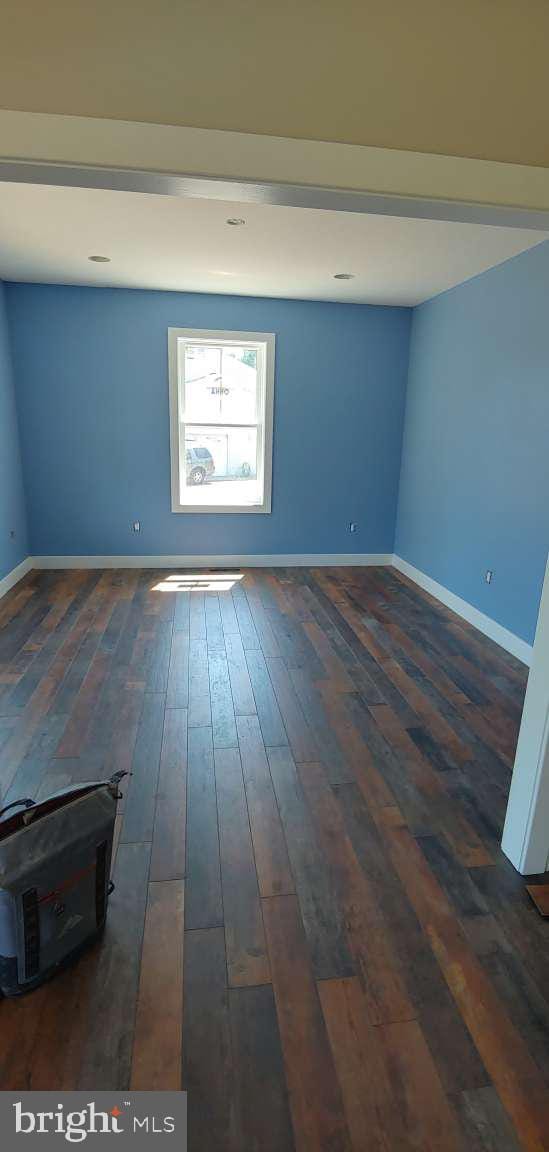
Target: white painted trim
[264, 343]
[485, 624]
[282, 560]
[526, 832]
[241, 166]
[16, 574]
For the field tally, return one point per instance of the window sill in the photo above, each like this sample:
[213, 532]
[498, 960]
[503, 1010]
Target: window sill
[222, 509]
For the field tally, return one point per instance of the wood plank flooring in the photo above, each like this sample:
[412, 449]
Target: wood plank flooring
[313, 929]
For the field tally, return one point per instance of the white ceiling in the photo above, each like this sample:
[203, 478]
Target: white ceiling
[47, 234]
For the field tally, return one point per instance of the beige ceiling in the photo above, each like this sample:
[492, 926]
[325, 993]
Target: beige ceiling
[457, 77]
[47, 234]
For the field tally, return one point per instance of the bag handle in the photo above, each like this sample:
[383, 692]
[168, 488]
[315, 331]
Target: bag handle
[26, 803]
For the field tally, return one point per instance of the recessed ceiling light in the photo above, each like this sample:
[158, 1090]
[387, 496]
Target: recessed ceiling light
[344, 276]
[100, 259]
[235, 221]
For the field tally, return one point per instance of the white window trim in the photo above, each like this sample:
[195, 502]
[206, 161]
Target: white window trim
[205, 335]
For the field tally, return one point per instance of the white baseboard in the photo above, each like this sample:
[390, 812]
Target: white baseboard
[485, 624]
[16, 574]
[292, 559]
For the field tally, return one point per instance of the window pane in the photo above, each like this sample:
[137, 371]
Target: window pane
[202, 381]
[220, 383]
[239, 385]
[220, 466]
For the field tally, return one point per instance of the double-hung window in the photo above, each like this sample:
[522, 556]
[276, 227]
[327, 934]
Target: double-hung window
[221, 412]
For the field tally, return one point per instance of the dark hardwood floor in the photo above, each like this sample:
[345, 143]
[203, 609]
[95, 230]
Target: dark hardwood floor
[313, 929]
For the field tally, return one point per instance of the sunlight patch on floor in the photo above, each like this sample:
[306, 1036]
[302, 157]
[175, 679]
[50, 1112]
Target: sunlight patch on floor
[199, 582]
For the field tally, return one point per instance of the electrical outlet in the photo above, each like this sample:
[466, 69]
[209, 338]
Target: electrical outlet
[488, 575]
[136, 526]
[352, 526]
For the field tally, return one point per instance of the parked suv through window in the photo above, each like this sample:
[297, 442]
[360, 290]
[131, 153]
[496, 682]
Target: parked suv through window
[200, 465]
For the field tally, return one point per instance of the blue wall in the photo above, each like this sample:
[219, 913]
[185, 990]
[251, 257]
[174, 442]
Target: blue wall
[92, 385]
[12, 501]
[474, 490]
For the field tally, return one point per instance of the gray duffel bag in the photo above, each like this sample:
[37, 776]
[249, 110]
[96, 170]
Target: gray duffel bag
[55, 859]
